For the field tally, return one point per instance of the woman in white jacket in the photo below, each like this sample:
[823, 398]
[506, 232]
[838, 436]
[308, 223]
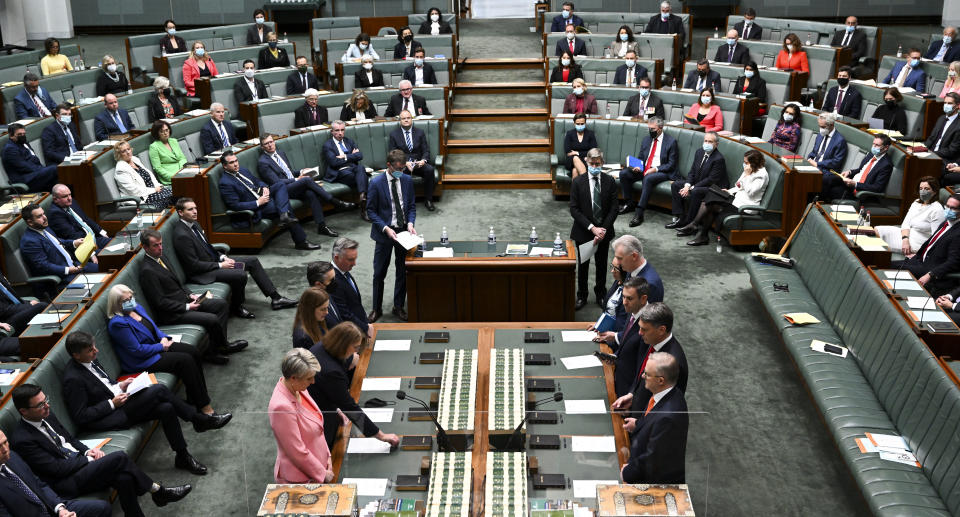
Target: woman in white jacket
[747, 191]
[923, 218]
[135, 180]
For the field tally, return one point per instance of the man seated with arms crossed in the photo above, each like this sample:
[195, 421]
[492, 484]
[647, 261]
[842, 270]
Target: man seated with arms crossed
[23, 494]
[47, 254]
[413, 142]
[15, 314]
[22, 165]
[643, 105]
[660, 157]
[939, 255]
[872, 175]
[72, 468]
[627, 343]
[241, 190]
[829, 150]
[69, 221]
[274, 168]
[406, 100]
[98, 402]
[60, 139]
[322, 274]
[420, 73]
[708, 169]
[33, 101]
[204, 265]
[344, 291]
[658, 447]
[218, 133]
[113, 120]
[343, 158]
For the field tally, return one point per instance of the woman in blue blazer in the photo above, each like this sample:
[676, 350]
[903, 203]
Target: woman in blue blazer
[142, 346]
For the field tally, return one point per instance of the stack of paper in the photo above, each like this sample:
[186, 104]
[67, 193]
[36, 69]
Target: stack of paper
[890, 447]
[800, 318]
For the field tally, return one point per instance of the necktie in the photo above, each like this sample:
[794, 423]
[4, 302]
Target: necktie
[223, 135]
[60, 248]
[652, 402]
[334, 311]
[160, 261]
[934, 239]
[76, 217]
[643, 108]
[571, 46]
[904, 72]
[31, 495]
[597, 212]
[942, 53]
[41, 109]
[704, 160]
[823, 147]
[406, 135]
[866, 171]
[352, 283]
[9, 294]
[341, 146]
[70, 141]
[100, 371]
[304, 77]
[730, 54]
[210, 250]
[644, 363]
[313, 115]
[653, 153]
[700, 84]
[397, 206]
[629, 324]
[120, 126]
[56, 439]
[746, 32]
[630, 76]
[839, 101]
[406, 105]
[846, 39]
[283, 166]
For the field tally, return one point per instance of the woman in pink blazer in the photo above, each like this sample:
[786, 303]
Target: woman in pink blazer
[706, 112]
[792, 56]
[199, 64]
[302, 452]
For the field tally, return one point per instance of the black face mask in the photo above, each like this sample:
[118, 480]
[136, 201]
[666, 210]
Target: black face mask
[654, 134]
[167, 92]
[702, 73]
[622, 273]
[843, 81]
[302, 69]
[21, 140]
[333, 283]
[408, 38]
[890, 103]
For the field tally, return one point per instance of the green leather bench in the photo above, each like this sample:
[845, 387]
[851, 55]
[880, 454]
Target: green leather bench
[34, 131]
[873, 98]
[341, 27]
[775, 29]
[822, 60]
[14, 267]
[135, 104]
[652, 46]
[66, 87]
[610, 23]
[333, 49]
[221, 89]
[392, 71]
[779, 83]
[13, 66]
[601, 71]
[936, 72]
[890, 383]
[227, 60]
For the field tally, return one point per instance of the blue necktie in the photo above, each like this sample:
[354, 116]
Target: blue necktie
[8, 294]
[116, 116]
[60, 248]
[409, 140]
[70, 142]
[223, 136]
[280, 162]
[210, 250]
[31, 495]
[79, 221]
[56, 439]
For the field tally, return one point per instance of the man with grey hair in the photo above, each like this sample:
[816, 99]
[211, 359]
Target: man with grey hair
[406, 101]
[660, 156]
[217, 134]
[829, 150]
[668, 23]
[343, 158]
[344, 290]
[310, 114]
[629, 262]
[593, 206]
[68, 220]
[708, 169]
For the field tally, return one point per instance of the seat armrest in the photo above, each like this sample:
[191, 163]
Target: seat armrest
[554, 161]
[221, 247]
[864, 195]
[747, 209]
[248, 214]
[19, 188]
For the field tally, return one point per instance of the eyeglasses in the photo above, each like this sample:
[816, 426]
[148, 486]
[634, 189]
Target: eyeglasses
[44, 403]
[406, 89]
[645, 375]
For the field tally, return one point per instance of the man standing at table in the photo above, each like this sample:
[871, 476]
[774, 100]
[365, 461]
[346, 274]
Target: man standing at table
[593, 206]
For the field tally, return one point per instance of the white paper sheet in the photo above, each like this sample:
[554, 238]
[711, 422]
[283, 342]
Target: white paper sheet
[391, 345]
[905, 285]
[7, 379]
[178, 338]
[593, 444]
[920, 302]
[140, 382]
[890, 442]
[368, 487]
[409, 240]
[379, 414]
[580, 361]
[904, 457]
[587, 488]
[380, 384]
[439, 252]
[92, 278]
[584, 406]
[932, 315]
[44, 318]
[115, 247]
[817, 346]
[586, 251]
[540, 252]
[367, 446]
[92, 443]
[842, 208]
[577, 335]
[893, 273]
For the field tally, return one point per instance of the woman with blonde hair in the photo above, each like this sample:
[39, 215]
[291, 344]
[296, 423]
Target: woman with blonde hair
[579, 101]
[358, 107]
[309, 324]
[111, 80]
[135, 180]
[952, 83]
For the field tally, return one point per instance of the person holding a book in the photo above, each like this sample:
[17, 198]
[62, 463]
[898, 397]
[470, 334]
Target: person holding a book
[872, 175]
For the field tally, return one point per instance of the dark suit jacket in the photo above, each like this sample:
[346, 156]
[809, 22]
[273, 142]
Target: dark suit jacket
[559, 23]
[916, 79]
[579, 47]
[400, 50]
[162, 288]
[360, 78]
[944, 257]
[45, 458]
[41, 256]
[54, 142]
[429, 76]
[712, 80]
[331, 391]
[556, 75]
[347, 113]
[950, 144]
[757, 87]
[444, 27]
[953, 52]
[334, 162]
[620, 77]
[396, 106]
[155, 107]
[253, 35]
[857, 44]
[65, 226]
[295, 83]
[756, 31]
[271, 173]
[669, 156]
[741, 54]
[658, 446]
[210, 139]
[105, 125]
[713, 171]
[266, 60]
[673, 25]
[421, 149]
[301, 116]
[879, 174]
[14, 502]
[625, 370]
[24, 107]
[633, 106]
[242, 93]
[88, 400]
[195, 256]
[236, 196]
[380, 199]
[852, 101]
[835, 154]
[581, 207]
[18, 161]
[348, 301]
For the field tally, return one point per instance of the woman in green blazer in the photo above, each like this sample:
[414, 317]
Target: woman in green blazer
[166, 157]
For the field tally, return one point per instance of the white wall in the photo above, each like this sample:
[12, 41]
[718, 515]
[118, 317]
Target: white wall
[11, 22]
[47, 18]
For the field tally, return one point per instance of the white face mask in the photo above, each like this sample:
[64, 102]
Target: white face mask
[368, 66]
[434, 17]
[705, 99]
[249, 72]
[629, 62]
[565, 62]
[259, 20]
[578, 91]
[570, 35]
[363, 46]
[824, 131]
[112, 68]
[951, 73]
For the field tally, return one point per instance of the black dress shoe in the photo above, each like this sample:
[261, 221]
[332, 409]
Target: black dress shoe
[363, 210]
[205, 423]
[170, 495]
[674, 224]
[699, 241]
[686, 230]
[323, 229]
[627, 207]
[581, 302]
[233, 347]
[429, 204]
[217, 359]
[636, 221]
[399, 313]
[282, 303]
[286, 221]
[242, 312]
[306, 246]
[601, 294]
[187, 462]
[343, 205]
[374, 316]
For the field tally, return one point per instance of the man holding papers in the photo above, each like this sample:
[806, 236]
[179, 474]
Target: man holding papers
[391, 208]
[46, 253]
[939, 255]
[593, 206]
[872, 175]
[69, 221]
[627, 344]
[658, 157]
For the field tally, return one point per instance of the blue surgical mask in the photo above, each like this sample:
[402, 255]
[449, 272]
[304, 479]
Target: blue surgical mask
[705, 99]
[65, 119]
[947, 40]
[748, 74]
[707, 147]
[129, 305]
[594, 171]
[580, 127]
[259, 20]
[875, 151]
[644, 92]
[629, 62]
[731, 41]
[578, 91]
[418, 61]
[851, 28]
[565, 13]
[664, 16]
[171, 31]
[565, 62]
[249, 73]
[948, 108]
[272, 44]
[396, 174]
[914, 63]
[624, 37]
[199, 51]
[949, 214]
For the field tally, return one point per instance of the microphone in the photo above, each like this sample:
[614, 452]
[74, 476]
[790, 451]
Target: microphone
[650, 46]
[836, 216]
[198, 160]
[893, 288]
[443, 442]
[557, 397]
[923, 308]
[59, 324]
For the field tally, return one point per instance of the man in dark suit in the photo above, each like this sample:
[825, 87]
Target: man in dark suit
[733, 52]
[703, 78]
[872, 175]
[249, 88]
[565, 18]
[321, 274]
[748, 28]
[204, 265]
[944, 50]
[420, 72]
[593, 206]
[22, 164]
[413, 142]
[829, 150]
[843, 99]
[406, 101]
[33, 101]
[571, 43]
[15, 314]
[241, 190]
[343, 159]
[643, 105]
[659, 441]
[660, 156]
[908, 73]
[667, 23]
[628, 262]
[392, 210]
[626, 343]
[301, 80]
[73, 469]
[629, 73]
[218, 133]
[344, 291]
[708, 168]
[69, 221]
[275, 168]
[944, 140]
[851, 37]
[113, 120]
[939, 255]
[61, 138]
[309, 114]
[175, 304]
[23, 494]
[47, 254]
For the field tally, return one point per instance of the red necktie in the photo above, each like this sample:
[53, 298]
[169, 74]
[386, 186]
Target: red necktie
[839, 101]
[866, 171]
[934, 239]
[571, 47]
[643, 365]
[653, 152]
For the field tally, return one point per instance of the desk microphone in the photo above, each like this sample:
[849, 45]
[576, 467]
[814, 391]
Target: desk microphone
[50, 305]
[557, 397]
[920, 324]
[836, 205]
[443, 442]
[197, 160]
[650, 46]
[893, 288]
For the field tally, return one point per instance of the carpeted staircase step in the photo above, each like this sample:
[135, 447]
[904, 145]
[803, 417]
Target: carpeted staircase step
[500, 100]
[514, 87]
[497, 170]
[512, 75]
[487, 130]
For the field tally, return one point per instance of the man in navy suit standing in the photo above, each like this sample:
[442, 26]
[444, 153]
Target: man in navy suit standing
[566, 18]
[343, 158]
[344, 290]
[60, 139]
[33, 101]
[22, 164]
[708, 168]
[872, 175]
[627, 343]
[392, 210]
[218, 133]
[413, 141]
[629, 73]
[47, 254]
[69, 221]
[113, 120]
[660, 157]
[830, 148]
